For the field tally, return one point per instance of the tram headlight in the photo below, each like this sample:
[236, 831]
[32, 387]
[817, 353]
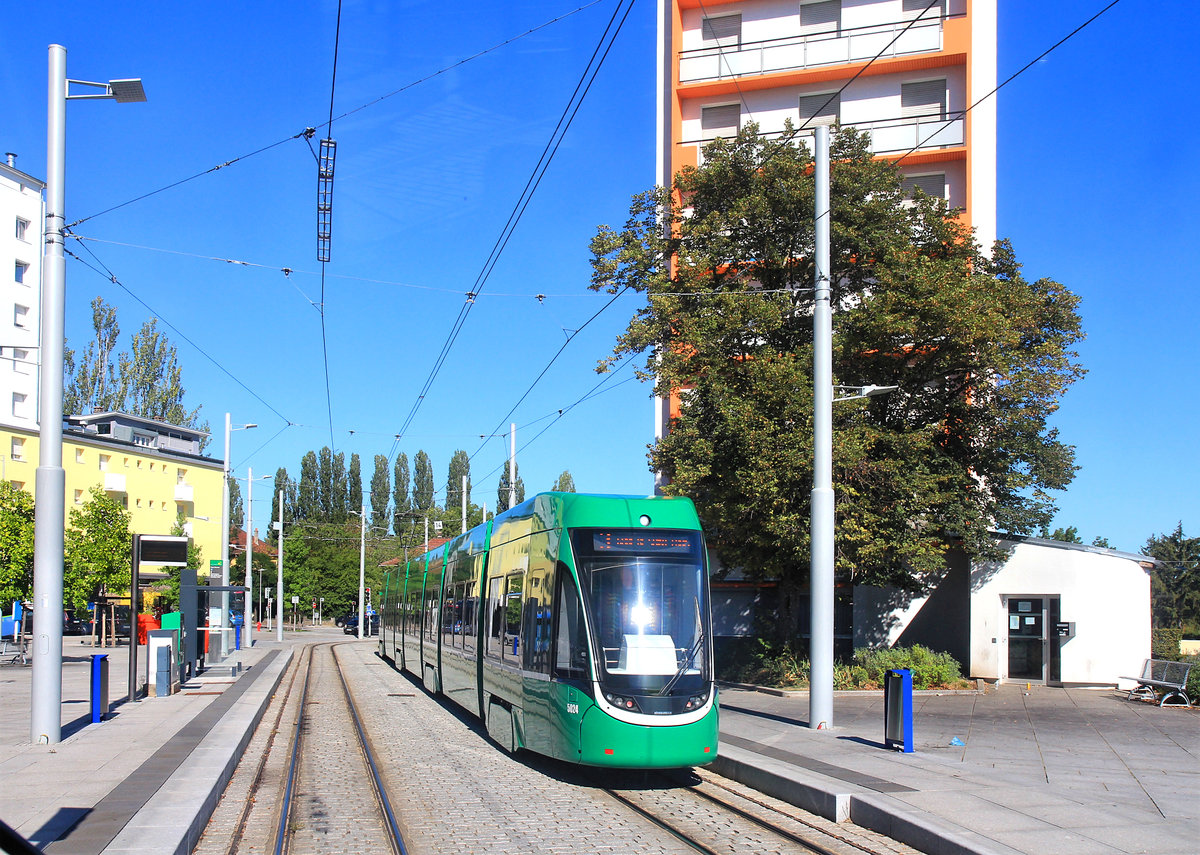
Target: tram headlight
[695, 702]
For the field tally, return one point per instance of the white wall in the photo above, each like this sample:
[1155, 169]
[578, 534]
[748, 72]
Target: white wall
[1106, 594]
[19, 197]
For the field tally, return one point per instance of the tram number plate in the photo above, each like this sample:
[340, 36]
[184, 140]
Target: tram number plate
[572, 709]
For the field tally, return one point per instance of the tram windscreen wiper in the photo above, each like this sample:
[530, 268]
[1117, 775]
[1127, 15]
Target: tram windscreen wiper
[687, 660]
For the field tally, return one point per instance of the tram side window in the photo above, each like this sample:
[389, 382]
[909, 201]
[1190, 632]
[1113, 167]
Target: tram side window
[495, 617]
[512, 618]
[570, 639]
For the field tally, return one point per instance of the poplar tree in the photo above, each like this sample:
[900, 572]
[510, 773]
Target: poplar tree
[400, 502]
[380, 489]
[460, 466]
[423, 483]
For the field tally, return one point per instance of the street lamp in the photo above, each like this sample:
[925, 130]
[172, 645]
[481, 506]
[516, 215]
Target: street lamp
[225, 535]
[248, 600]
[362, 567]
[45, 707]
[821, 567]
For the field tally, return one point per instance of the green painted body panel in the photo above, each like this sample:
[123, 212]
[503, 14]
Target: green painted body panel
[670, 747]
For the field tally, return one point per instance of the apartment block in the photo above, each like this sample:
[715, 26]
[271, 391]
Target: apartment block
[21, 221]
[154, 470]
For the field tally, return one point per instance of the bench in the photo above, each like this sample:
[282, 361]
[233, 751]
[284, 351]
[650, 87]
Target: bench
[1160, 675]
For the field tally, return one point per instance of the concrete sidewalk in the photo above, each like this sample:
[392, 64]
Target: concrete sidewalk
[1045, 771]
[146, 778]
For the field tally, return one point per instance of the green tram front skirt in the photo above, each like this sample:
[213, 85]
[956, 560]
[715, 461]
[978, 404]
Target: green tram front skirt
[605, 741]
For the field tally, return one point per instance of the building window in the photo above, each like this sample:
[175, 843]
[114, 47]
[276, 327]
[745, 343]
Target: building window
[18, 448]
[103, 461]
[923, 98]
[126, 462]
[917, 7]
[20, 361]
[931, 185]
[143, 439]
[20, 485]
[139, 503]
[822, 109]
[724, 31]
[20, 315]
[79, 497]
[824, 16]
[79, 455]
[18, 404]
[180, 476]
[20, 271]
[22, 227]
[722, 121]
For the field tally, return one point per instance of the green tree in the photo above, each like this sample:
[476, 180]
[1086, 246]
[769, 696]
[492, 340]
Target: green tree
[282, 486]
[195, 556]
[339, 499]
[1175, 580]
[151, 379]
[326, 487]
[1065, 535]
[1101, 542]
[979, 354]
[237, 511]
[423, 483]
[460, 467]
[92, 383]
[308, 492]
[400, 502]
[16, 544]
[564, 483]
[381, 487]
[354, 489]
[98, 550]
[502, 490]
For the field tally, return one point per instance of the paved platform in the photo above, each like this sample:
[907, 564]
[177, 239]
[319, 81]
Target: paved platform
[1047, 770]
[146, 778]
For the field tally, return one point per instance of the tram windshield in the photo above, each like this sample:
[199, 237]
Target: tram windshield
[648, 598]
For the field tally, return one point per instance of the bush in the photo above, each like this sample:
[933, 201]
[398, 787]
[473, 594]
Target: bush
[1164, 643]
[930, 669]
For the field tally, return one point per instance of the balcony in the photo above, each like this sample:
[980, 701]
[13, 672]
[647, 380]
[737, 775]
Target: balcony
[888, 136]
[114, 482]
[810, 51]
[183, 493]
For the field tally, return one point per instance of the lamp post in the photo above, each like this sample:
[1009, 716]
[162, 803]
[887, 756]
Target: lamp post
[225, 534]
[362, 567]
[247, 601]
[45, 721]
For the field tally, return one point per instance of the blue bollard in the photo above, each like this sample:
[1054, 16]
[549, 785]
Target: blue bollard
[897, 709]
[99, 687]
[237, 637]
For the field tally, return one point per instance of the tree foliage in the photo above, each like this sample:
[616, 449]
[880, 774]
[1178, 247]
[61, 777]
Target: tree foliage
[237, 510]
[16, 544]
[1175, 581]
[564, 483]
[381, 487]
[354, 487]
[980, 356]
[502, 490]
[423, 483]
[308, 492]
[98, 550]
[145, 381]
[400, 502]
[460, 467]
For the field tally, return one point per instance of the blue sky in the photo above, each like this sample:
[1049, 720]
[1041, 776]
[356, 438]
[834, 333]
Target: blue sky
[426, 179]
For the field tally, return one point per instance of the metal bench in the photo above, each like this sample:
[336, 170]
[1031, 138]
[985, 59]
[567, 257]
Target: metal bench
[1161, 675]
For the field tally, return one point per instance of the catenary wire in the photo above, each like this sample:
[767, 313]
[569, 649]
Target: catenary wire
[308, 131]
[564, 124]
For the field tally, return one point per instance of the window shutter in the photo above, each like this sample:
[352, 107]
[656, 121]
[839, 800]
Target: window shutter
[722, 121]
[823, 16]
[918, 6]
[725, 30]
[930, 185]
[926, 98]
[810, 104]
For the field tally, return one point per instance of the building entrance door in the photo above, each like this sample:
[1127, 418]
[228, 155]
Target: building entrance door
[1026, 638]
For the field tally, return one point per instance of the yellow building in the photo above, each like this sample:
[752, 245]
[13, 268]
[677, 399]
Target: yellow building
[155, 470]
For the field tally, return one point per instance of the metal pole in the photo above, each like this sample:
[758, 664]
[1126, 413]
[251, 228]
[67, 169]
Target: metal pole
[134, 584]
[247, 598]
[512, 465]
[362, 568]
[279, 577]
[45, 702]
[464, 505]
[820, 694]
[225, 541]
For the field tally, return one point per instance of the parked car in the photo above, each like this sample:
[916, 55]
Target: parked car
[350, 627]
[341, 621]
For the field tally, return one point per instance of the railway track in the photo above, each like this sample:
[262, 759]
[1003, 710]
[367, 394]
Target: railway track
[714, 816]
[316, 788]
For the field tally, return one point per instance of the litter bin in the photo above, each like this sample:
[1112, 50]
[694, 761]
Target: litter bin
[897, 709]
[99, 686]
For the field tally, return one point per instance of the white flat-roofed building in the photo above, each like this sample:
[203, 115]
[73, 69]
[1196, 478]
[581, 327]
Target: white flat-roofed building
[21, 222]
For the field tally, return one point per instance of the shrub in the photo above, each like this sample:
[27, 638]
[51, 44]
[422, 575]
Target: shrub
[930, 669]
[1164, 643]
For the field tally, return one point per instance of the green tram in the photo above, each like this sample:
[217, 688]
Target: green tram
[574, 626]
